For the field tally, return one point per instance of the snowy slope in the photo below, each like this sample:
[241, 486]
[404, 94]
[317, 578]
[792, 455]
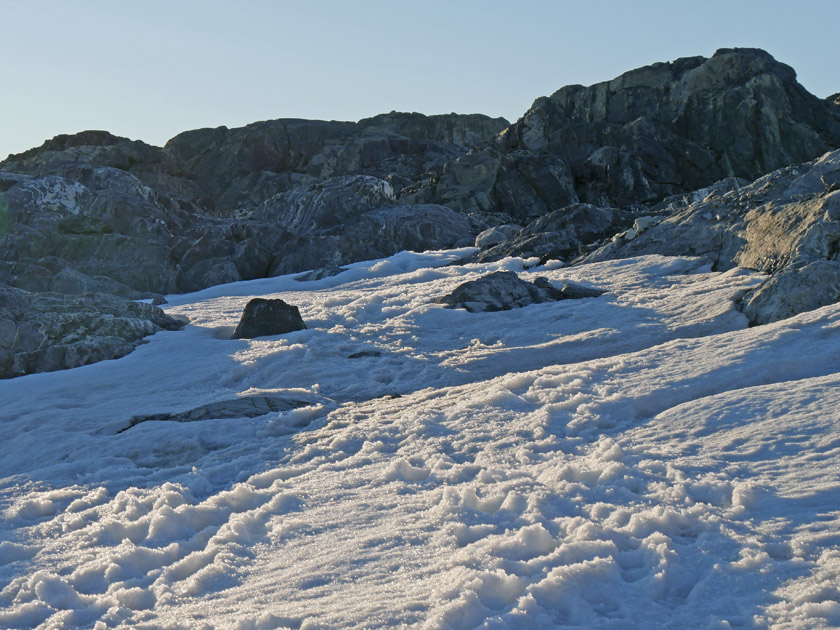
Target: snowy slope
[636, 460]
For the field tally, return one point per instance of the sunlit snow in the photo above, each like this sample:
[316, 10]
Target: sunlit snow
[638, 460]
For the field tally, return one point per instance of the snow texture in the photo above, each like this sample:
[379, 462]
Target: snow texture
[642, 459]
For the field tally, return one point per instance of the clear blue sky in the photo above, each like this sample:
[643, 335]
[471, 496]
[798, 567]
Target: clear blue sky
[149, 69]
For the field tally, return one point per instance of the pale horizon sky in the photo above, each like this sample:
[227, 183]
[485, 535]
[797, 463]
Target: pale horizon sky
[149, 70]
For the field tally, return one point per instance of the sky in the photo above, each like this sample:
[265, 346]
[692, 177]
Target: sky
[149, 70]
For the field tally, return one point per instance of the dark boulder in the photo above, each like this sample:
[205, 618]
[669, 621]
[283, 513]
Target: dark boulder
[262, 318]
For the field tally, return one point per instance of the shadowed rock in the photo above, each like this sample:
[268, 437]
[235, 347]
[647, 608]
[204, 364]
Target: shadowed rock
[504, 290]
[559, 235]
[262, 318]
[361, 354]
[243, 407]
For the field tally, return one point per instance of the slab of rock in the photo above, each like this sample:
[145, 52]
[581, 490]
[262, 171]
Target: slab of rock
[262, 318]
[504, 290]
[786, 222]
[793, 290]
[243, 407]
[320, 274]
[497, 234]
[43, 332]
[362, 354]
[568, 290]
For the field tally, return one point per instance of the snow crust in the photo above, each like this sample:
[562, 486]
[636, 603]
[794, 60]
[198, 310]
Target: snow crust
[641, 459]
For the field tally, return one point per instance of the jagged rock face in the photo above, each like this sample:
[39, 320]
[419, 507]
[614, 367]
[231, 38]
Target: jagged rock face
[42, 332]
[107, 223]
[108, 232]
[326, 205]
[221, 170]
[783, 222]
[464, 130]
[650, 133]
[376, 234]
[346, 219]
[519, 185]
[689, 123]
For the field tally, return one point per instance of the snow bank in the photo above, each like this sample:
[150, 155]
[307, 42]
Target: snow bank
[641, 459]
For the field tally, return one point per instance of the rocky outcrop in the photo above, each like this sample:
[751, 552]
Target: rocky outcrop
[96, 214]
[222, 170]
[109, 232]
[563, 234]
[504, 290]
[794, 290]
[42, 332]
[653, 132]
[786, 223]
[351, 218]
[263, 318]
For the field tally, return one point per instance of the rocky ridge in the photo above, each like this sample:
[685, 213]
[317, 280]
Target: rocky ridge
[656, 131]
[93, 214]
[786, 223]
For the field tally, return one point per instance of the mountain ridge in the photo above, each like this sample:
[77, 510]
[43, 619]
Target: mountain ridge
[96, 213]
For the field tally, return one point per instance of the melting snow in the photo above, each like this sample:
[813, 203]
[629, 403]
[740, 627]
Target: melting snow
[641, 459]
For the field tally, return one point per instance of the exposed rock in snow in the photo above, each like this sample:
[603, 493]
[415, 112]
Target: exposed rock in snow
[503, 290]
[320, 274]
[42, 332]
[362, 354]
[262, 318]
[252, 406]
[782, 222]
[794, 290]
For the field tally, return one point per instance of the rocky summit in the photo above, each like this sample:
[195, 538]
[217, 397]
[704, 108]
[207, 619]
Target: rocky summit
[711, 157]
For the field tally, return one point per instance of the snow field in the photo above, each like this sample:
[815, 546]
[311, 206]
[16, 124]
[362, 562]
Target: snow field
[635, 460]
